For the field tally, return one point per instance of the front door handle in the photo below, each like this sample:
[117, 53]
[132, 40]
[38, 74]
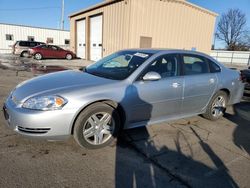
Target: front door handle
[175, 85]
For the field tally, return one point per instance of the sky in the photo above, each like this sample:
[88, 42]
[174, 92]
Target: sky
[47, 13]
[222, 6]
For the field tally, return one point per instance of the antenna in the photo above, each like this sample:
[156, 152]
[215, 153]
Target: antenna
[62, 16]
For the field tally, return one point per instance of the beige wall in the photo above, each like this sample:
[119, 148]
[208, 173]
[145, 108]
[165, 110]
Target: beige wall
[170, 23]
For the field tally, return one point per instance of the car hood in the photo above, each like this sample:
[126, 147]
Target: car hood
[53, 82]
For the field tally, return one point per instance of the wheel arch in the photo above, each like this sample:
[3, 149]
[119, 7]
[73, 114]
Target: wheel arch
[109, 102]
[227, 91]
[24, 51]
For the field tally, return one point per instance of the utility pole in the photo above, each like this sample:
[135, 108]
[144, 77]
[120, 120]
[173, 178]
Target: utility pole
[62, 16]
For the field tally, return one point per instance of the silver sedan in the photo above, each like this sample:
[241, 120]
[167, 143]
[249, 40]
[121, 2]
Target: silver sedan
[127, 89]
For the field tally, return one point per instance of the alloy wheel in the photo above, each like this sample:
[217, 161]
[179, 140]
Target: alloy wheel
[218, 107]
[98, 128]
[38, 56]
[68, 56]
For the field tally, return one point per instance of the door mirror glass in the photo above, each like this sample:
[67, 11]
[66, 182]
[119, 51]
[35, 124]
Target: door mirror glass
[151, 76]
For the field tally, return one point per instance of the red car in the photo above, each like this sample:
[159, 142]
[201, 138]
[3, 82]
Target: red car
[50, 51]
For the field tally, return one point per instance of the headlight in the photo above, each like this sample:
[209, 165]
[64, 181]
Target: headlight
[45, 103]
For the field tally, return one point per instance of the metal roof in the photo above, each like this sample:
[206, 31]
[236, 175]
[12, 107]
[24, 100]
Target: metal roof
[106, 3]
[99, 5]
[32, 27]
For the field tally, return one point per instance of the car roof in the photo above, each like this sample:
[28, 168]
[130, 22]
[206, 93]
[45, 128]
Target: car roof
[161, 50]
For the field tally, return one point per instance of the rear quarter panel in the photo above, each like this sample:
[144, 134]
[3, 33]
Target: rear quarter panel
[229, 79]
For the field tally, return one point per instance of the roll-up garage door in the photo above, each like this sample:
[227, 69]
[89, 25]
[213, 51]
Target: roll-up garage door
[96, 38]
[80, 40]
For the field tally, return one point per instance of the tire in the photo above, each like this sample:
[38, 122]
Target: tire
[69, 56]
[217, 106]
[92, 134]
[38, 56]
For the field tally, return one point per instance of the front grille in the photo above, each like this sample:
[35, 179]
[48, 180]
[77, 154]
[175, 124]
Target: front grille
[33, 131]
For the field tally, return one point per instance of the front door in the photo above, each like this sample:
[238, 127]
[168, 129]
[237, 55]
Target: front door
[96, 38]
[161, 99]
[80, 39]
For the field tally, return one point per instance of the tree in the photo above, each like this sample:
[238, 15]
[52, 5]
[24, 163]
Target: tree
[232, 28]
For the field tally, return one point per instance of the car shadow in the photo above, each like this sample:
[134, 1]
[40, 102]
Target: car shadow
[241, 118]
[140, 162]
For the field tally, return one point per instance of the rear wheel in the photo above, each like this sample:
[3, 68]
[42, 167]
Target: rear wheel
[38, 56]
[97, 126]
[69, 56]
[217, 106]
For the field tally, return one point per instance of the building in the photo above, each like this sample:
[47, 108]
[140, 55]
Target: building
[10, 33]
[118, 24]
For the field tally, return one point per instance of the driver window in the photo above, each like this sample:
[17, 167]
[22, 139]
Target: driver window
[166, 65]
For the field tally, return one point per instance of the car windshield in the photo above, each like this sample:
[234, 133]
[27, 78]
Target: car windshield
[118, 66]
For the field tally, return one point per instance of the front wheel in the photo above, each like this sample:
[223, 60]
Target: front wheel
[97, 126]
[217, 106]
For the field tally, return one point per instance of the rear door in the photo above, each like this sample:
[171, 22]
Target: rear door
[199, 83]
[45, 51]
[55, 52]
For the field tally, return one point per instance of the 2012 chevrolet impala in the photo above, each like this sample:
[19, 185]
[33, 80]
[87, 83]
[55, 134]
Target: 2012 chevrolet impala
[127, 89]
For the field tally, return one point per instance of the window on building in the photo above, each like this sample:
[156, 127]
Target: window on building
[145, 42]
[31, 38]
[49, 40]
[9, 37]
[66, 41]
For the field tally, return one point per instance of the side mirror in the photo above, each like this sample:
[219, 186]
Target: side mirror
[151, 76]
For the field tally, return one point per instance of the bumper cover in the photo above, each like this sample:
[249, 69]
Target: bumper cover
[50, 125]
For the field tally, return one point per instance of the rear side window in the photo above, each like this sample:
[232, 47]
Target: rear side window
[33, 44]
[213, 66]
[194, 64]
[44, 47]
[23, 43]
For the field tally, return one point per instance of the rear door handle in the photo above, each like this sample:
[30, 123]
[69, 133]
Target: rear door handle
[175, 85]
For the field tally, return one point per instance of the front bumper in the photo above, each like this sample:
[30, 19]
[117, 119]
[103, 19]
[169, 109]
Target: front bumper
[50, 125]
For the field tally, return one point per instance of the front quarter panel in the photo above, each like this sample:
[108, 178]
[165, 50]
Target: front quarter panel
[81, 98]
